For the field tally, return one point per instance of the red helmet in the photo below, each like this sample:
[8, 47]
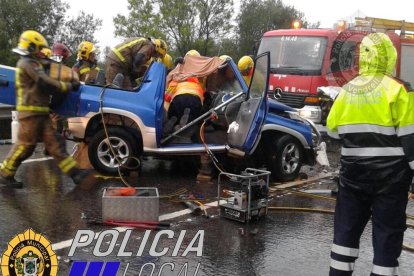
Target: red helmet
[60, 52]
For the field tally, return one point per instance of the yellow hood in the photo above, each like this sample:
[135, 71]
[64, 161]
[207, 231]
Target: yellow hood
[377, 55]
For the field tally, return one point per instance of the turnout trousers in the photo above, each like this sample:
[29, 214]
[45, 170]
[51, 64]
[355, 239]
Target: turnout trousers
[31, 130]
[354, 208]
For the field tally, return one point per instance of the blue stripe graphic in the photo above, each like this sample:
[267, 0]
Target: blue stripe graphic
[111, 268]
[94, 268]
[78, 268]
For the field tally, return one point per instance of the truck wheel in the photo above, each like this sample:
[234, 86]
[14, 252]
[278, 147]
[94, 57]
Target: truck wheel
[285, 159]
[124, 145]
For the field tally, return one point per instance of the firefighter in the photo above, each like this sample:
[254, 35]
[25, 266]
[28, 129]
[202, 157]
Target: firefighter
[245, 66]
[185, 100]
[33, 88]
[86, 65]
[128, 58]
[168, 62]
[60, 53]
[192, 52]
[374, 118]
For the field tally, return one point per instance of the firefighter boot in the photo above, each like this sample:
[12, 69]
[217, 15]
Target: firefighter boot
[10, 182]
[85, 179]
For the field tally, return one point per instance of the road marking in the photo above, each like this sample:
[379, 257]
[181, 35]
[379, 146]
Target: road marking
[68, 243]
[37, 159]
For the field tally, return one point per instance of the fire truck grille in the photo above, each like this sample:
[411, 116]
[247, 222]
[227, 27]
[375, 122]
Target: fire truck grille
[290, 99]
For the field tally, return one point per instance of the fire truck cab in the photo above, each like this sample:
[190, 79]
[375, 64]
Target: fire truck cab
[305, 60]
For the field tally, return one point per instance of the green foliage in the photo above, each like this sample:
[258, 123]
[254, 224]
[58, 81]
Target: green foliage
[77, 29]
[184, 24]
[259, 16]
[44, 16]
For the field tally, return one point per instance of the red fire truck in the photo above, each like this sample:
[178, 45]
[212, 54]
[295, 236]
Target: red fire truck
[306, 61]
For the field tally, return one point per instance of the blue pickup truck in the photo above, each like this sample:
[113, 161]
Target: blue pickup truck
[239, 121]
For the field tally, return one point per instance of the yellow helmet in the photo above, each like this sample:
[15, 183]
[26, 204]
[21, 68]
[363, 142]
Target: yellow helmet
[167, 61]
[225, 57]
[245, 63]
[193, 53]
[30, 42]
[46, 53]
[160, 46]
[85, 49]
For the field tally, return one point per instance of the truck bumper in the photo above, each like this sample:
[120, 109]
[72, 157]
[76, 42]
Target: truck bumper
[77, 126]
[313, 113]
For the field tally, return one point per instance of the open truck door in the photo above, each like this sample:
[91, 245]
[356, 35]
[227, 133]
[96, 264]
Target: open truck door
[244, 131]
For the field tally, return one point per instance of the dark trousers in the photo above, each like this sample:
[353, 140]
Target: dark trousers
[354, 207]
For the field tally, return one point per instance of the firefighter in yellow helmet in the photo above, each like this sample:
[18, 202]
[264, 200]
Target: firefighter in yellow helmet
[192, 52]
[45, 53]
[86, 65]
[245, 66]
[168, 62]
[128, 57]
[33, 89]
[373, 116]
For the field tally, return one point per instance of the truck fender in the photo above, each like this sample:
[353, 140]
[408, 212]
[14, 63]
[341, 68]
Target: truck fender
[289, 131]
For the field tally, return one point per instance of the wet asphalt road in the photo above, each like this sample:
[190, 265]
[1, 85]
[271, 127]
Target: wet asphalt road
[285, 243]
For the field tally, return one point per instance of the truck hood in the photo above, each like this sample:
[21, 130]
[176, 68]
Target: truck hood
[275, 105]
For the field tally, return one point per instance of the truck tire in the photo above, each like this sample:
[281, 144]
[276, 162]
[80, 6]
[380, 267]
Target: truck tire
[124, 144]
[285, 158]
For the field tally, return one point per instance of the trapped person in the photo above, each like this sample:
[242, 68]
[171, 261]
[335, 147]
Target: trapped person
[373, 115]
[128, 58]
[33, 89]
[86, 65]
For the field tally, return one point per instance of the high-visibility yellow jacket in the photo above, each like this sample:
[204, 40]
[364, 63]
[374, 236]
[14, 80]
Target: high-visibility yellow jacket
[189, 86]
[374, 116]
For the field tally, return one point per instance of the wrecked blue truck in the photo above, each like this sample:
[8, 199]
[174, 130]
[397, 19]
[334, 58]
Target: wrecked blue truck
[240, 123]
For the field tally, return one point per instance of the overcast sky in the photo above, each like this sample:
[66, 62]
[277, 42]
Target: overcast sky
[327, 12]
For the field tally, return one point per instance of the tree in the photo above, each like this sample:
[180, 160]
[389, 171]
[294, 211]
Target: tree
[17, 16]
[44, 16]
[77, 29]
[258, 16]
[185, 24]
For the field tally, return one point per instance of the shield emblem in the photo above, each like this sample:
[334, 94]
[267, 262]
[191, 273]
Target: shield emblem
[30, 266]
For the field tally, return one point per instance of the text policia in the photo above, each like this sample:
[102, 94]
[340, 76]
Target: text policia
[103, 244]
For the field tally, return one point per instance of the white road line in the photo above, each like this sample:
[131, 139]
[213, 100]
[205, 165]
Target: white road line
[68, 243]
[37, 159]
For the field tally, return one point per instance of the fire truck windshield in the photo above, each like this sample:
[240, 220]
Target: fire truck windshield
[296, 55]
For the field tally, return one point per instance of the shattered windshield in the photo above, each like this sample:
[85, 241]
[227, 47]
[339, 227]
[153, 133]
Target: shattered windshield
[296, 55]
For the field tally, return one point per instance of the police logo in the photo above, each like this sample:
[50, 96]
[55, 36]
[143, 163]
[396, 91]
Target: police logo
[29, 254]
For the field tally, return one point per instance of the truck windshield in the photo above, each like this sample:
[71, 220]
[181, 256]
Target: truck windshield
[295, 55]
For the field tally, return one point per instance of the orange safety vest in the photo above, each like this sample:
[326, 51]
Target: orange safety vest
[189, 86]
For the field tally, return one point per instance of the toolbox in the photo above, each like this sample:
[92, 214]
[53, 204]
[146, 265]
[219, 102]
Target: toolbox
[246, 194]
[142, 205]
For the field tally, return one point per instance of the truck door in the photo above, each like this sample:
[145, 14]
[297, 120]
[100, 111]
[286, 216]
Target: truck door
[245, 130]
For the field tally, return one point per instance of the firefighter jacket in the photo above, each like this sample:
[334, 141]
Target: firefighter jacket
[34, 87]
[190, 86]
[124, 53]
[374, 116]
[87, 71]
